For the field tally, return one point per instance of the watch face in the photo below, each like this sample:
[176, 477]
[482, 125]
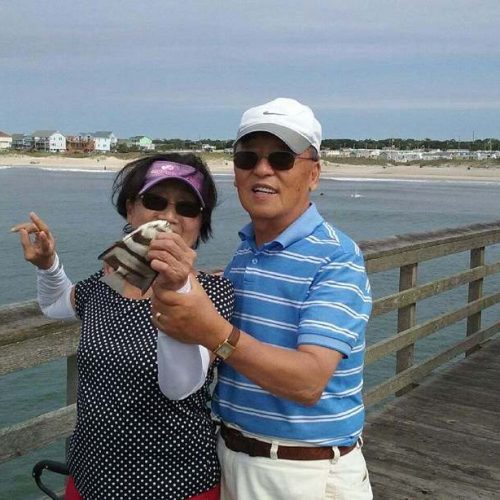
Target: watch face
[224, 350]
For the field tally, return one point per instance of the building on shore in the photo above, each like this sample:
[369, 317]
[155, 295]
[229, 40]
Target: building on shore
[79, 144]
[142, 142]
[22, 142]
[400, 156]
[103, 141]
[49, 140]
[5, 140]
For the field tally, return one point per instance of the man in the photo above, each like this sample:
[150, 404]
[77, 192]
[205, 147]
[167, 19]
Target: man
[289, 387]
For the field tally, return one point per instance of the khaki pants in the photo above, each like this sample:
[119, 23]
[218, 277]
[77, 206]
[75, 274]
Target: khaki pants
[259, 478]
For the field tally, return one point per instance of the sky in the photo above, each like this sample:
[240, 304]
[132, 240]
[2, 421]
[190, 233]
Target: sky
[188, 69]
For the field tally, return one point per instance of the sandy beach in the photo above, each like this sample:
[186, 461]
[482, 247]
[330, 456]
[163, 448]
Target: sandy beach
[455, 172]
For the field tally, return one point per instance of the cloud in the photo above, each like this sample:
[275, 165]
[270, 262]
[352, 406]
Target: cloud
[127, 58]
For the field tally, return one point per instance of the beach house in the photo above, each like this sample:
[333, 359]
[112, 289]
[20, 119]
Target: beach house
[141, 142]
[103, 141]
[22, 141]
[81, 143]
[5, 140]
[49, 140]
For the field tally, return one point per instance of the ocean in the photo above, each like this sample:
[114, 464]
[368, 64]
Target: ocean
[77, 207]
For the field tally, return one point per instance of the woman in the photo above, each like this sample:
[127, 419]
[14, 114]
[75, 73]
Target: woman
[131, 441]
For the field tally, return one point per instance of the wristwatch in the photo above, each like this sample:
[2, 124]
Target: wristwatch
[226, 348]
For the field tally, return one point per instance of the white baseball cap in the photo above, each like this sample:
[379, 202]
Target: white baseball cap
[292, 122]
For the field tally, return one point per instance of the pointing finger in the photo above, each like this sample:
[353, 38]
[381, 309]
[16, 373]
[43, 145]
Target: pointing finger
[29, 227]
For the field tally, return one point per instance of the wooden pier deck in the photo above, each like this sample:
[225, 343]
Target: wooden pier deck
[442, 439]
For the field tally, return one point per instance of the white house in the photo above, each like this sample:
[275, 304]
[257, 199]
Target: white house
[5, 140]
[49, 140]
[104, 140]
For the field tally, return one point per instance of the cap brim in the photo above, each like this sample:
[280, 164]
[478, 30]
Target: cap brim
[296, 142]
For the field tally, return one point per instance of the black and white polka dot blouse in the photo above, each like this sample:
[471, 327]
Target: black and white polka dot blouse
[131, 441]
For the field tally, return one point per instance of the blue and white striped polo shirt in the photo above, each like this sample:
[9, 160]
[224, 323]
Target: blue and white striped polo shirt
[308, 286]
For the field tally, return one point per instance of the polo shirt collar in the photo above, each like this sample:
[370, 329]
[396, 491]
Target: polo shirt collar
[299, 229]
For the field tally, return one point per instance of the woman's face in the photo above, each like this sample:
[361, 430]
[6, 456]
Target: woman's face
[174, 191]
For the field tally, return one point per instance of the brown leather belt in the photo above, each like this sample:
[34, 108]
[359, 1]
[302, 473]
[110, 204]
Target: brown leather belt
[236, 441]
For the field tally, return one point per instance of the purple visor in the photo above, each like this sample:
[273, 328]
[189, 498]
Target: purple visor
[164, 170]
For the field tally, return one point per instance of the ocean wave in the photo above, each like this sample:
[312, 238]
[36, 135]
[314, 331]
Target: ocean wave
[59, 169]
[69, 169]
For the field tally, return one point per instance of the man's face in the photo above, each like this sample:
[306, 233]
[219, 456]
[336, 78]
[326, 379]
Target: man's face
[274, 198]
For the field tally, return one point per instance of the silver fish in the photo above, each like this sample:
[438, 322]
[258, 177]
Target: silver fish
[128, 257]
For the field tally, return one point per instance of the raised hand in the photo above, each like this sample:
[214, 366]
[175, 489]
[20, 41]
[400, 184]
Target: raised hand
[40, 247]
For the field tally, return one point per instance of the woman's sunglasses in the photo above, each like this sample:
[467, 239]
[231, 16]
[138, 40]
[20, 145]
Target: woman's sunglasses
[158, 204]
[279, 160]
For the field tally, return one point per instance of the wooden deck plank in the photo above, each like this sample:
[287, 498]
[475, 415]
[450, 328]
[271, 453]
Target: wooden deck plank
[458, 418]
[474, 397]
[447, 449]
[441, 440]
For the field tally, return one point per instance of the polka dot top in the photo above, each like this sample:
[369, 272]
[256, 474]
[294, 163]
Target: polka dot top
[131, 441]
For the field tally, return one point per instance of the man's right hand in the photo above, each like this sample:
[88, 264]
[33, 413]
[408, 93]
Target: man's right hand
[40, 249]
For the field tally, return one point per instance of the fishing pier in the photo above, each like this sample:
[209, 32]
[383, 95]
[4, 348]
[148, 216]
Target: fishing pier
[433, 424]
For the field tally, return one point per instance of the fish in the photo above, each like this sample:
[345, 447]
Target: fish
[128, 257]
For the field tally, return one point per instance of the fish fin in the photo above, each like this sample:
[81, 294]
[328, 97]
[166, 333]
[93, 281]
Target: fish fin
[108, 250]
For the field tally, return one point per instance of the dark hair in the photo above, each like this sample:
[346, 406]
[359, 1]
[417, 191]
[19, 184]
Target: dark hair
[130, 179]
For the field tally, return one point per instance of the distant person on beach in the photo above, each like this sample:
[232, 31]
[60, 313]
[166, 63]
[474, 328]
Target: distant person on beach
[289, 391]
[130, 440]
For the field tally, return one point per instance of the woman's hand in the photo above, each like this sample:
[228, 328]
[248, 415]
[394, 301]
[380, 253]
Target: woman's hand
[172, 258]
[40, 249]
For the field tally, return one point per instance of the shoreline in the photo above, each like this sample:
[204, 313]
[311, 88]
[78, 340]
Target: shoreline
[329, 170]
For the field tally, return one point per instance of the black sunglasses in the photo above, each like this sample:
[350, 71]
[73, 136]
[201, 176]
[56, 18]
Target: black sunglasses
[158, 204]
[279, 160]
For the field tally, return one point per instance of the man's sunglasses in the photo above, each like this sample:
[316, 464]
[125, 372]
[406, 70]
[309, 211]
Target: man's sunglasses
[279, 160]
[158, 204]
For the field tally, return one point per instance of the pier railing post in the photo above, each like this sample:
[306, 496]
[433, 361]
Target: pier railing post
[406, 319]
[71, 384]
[475, 292]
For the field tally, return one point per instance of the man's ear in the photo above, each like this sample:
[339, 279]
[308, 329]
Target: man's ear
[315, 173]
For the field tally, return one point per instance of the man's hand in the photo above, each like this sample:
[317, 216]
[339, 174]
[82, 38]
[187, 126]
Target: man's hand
[190, 317]
[172, 258]
[40, 249]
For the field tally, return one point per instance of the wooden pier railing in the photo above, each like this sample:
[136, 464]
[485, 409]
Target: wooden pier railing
[27, 339]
